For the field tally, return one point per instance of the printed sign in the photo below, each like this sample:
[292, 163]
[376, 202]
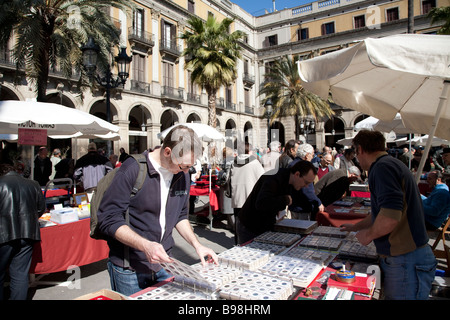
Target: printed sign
[32, 137]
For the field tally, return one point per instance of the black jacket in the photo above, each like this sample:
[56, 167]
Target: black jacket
[268, 197]
[42, 170]
[21, 204]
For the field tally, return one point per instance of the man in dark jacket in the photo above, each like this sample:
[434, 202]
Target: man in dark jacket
[91, 167]
[271, 194]
[158, 207]
[42, 167]
[336, 184]
[21, 205]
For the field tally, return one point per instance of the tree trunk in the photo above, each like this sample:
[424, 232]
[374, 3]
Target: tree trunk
[410, 16]
[212, 107]
[48, 23]
[41, 81]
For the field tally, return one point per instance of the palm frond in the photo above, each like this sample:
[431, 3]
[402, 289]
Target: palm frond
[283, 86]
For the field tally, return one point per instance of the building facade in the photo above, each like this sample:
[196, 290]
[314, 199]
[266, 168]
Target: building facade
[159, 91]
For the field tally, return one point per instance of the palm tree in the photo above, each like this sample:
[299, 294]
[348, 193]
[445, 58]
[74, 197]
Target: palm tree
[212, 53]
[49, 33]
[438, 15]
[283, 86]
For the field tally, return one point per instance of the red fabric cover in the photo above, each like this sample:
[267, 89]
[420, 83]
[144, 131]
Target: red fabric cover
[65, 245]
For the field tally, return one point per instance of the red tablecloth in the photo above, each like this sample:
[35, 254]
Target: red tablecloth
[213, 199]
[324, 219]
[64, 245]
[360, 194]
[55, 193]
[332, 218]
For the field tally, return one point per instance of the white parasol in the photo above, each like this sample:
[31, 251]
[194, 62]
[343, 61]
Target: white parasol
[407, 74]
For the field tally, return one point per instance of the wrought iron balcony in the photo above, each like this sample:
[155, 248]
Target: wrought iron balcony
[170, 47]
[171, 93]
[142, 38]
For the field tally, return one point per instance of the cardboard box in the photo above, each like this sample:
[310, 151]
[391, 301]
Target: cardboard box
[64, 215]
[104, 294]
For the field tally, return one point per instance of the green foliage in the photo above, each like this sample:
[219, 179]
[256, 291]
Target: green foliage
[50, 32]
[283, 86]
[212, 53]
[441, 15]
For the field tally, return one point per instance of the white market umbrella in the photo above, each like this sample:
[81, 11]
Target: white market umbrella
[345, 141]
[407, 74]
[58, 120]
[395, 125]
[55, 118]
[205, 132]
[435, 142]
[368, 123]
[110, 136]
[113, 136]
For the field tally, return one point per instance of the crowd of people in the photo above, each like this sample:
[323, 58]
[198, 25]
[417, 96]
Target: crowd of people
[293, 181]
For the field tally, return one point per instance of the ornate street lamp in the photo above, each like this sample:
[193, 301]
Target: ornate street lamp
[90, 53]
[307, 126]
[269, 111]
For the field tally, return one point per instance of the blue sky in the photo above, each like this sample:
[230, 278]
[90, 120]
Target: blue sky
[256, 7]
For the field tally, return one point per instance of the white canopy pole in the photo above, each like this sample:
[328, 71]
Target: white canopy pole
[410, 151]
[442, 104]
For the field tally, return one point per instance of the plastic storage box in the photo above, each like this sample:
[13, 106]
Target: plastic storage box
[64, 215]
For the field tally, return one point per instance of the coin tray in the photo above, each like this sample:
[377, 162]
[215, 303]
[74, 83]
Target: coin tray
[272, 248]
[329, 232]
[280, 238]
[355, 250]
[172, 291]
[256, 286]
[323, 258]
[185, 275]
[244, 258]
[217, 274]
[302, 272]
[321, 242]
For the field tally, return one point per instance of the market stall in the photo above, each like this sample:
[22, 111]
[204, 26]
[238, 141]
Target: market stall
[277, 266]
[66, 245]
[205, 186]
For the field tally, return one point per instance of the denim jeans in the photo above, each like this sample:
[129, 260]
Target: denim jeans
[16, 256]
[409, 276]
[128, 282]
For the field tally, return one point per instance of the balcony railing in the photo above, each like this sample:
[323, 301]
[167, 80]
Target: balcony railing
[230, 106]
[170, 46]
[248, 79]
[140, 86]
[172, 93]
[142, 37]
[192, 97]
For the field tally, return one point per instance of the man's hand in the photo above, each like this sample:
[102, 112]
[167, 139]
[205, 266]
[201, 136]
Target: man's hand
[211, 256]
[347, 227]
[155, 252]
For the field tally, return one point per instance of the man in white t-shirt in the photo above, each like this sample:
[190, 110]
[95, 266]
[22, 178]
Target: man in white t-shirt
[157, 208]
